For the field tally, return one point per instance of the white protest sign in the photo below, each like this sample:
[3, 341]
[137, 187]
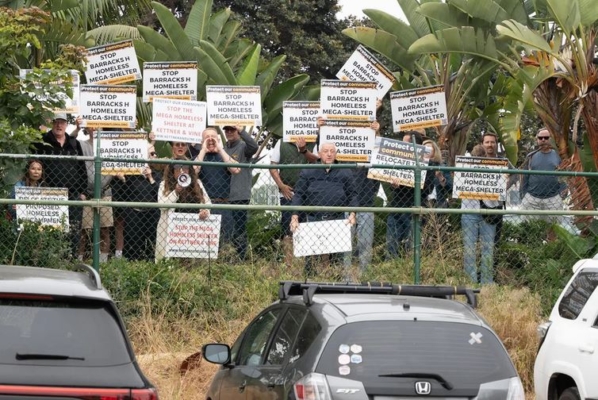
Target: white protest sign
[363, 66]
[299, 120]
[348, 100]
[112, 63]
[106, 106]
[418, 108]
[71, 103]
[171, 80]
[396, 153]
[178, 120]
[483, 185]
[48, 215]
[191, 237]
[322, 237]
[129, 145]
[354, 140]
[234, 105]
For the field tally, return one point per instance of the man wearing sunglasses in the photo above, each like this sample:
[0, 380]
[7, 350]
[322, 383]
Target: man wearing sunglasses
[543, 192]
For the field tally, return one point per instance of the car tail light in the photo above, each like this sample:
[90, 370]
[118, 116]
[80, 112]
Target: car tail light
[312, 387]
[515, 390]
[80, 393]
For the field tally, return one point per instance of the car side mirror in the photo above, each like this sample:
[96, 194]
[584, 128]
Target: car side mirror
[216, 353]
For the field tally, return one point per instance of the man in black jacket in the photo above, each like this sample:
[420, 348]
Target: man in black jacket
[70, 174]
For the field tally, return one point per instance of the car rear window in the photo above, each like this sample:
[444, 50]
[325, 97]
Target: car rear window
[462, 354]
[82, 333]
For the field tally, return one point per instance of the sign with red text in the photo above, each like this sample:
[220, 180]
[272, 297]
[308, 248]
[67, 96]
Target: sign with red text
[191, 237]
[354, 140]
[108, 106]
[396, 153]
[112, 63]
[127, 145]
[299, 120]
[418, 108]
[170, 80]
[234, 105]
[178, 120]
[482, 185]
[47, 215]
[71, 102]
[322, 237]
[348, 100]
[363, 66]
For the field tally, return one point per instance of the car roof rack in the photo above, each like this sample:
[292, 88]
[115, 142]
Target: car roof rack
[308, 289]
[94, 276]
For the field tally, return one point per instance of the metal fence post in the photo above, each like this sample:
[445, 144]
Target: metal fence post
[97, 195]
[416, 217]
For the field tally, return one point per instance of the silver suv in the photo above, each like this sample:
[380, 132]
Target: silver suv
[62, 337]
[365, 341]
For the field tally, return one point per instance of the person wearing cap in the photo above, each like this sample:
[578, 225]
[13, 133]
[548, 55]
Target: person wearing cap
[64, 173]
[241, 147]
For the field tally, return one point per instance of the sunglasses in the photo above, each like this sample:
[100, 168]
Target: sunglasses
[180, 144]
[543, 137]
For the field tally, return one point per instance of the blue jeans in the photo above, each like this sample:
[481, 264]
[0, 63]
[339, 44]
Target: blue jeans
[239, 229]
[364, 229]
[475, 228]
[398, 228]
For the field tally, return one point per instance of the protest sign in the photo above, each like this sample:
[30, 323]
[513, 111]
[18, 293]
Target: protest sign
[234, 105]
[397, 153]
[483, 185]
[191, 237]
[363, 66]
[418, 108]
[106, 106]
[48, 215]
[170, 80]
[178, 120]
[129, 145]
[348, 100]
[112, 63]
[71, 103]
[354, 140]
[322, 237]
[299, 120]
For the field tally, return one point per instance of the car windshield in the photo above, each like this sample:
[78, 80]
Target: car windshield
[60, 333]
[390, 354]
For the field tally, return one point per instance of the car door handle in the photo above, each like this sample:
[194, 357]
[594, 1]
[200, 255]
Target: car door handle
[242, 386]
[586, 348]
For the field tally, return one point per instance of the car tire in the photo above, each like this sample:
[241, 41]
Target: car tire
[570, 394]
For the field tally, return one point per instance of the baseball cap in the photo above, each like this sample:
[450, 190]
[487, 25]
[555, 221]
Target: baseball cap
[230, 127]
[60, 116]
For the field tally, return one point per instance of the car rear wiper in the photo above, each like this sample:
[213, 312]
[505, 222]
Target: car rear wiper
[446, 384]
[34, 356]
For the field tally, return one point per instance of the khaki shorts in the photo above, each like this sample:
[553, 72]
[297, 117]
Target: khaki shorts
[106, 219]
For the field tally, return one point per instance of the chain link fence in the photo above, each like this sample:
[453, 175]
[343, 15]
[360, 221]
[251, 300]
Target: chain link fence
[483, 215]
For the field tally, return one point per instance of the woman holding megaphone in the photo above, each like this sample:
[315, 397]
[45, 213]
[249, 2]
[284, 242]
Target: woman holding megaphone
[180, 185]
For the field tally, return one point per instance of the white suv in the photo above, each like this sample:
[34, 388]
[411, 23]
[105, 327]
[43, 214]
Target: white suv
[567, 359]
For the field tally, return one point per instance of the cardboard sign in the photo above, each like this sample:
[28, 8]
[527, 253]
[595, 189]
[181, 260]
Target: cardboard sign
[71, 103]
[322, 237]
[299, 120]
[354, 140]
[190, 237]
[363, 66]
[397, 153]
[47, 215]
[418, 108]
[129, 145]
[170, 80]
[348, 100]
[112, 63]
[105, 106]
[178, 120]
[482, 185]
[234, 105]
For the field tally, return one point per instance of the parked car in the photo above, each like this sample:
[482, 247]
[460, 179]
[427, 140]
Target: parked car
[62, 337]
[567, 360]
[365, 341]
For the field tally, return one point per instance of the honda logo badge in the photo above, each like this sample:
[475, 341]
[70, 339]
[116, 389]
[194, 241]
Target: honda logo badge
[423, 388]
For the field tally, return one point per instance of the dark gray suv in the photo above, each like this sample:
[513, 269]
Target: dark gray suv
[61, 337]
[363, 342]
